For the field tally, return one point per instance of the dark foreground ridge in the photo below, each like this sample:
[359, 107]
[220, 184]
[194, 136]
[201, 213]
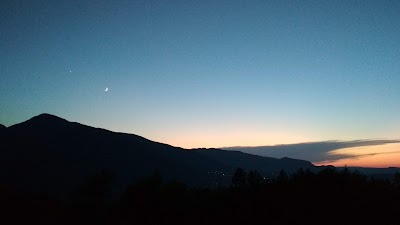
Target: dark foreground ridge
[331, 196]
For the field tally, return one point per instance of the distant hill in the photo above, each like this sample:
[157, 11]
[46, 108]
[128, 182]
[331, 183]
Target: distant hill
[378, 173]
[50, 154]
[266, 165]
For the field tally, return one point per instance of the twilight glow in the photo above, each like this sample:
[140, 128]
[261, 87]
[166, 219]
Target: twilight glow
[209, 73]
[368, 156]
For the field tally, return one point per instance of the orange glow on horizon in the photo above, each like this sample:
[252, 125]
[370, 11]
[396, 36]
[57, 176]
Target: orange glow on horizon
[380, 156]
[230, 139]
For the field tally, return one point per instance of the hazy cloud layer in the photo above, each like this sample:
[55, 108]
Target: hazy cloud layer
[313, 151]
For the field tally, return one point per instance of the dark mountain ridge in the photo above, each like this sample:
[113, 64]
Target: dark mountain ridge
[2, 130]
[50, 154]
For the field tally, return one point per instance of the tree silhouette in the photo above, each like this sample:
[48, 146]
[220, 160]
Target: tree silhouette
[397, 179]
[282, 177]
[95, 192]
[239, 178]
[254, 178]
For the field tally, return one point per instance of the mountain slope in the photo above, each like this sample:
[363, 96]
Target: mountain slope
[234, 159]
[2, 129]
[48, 153]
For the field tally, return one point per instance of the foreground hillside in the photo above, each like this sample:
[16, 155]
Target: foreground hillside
[330, 196]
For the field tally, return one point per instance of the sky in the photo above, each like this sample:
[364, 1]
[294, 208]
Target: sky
[206, 73]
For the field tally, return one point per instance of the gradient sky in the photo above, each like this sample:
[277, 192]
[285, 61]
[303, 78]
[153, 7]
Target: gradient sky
[206, 73]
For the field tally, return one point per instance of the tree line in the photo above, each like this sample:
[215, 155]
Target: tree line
[330, 196]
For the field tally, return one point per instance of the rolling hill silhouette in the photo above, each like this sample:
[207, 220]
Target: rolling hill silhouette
[2, 129]
[52, 155]
[234, 159]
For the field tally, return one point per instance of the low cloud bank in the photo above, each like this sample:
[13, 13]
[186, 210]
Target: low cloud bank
[313, 151]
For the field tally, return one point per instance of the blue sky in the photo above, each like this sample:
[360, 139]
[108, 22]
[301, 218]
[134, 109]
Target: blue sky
[206, 73]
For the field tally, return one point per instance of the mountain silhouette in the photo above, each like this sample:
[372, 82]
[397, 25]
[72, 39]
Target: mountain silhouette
[52, 155]
[2, 130]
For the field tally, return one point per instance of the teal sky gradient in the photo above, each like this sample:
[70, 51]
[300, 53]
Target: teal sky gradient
[206, 73]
